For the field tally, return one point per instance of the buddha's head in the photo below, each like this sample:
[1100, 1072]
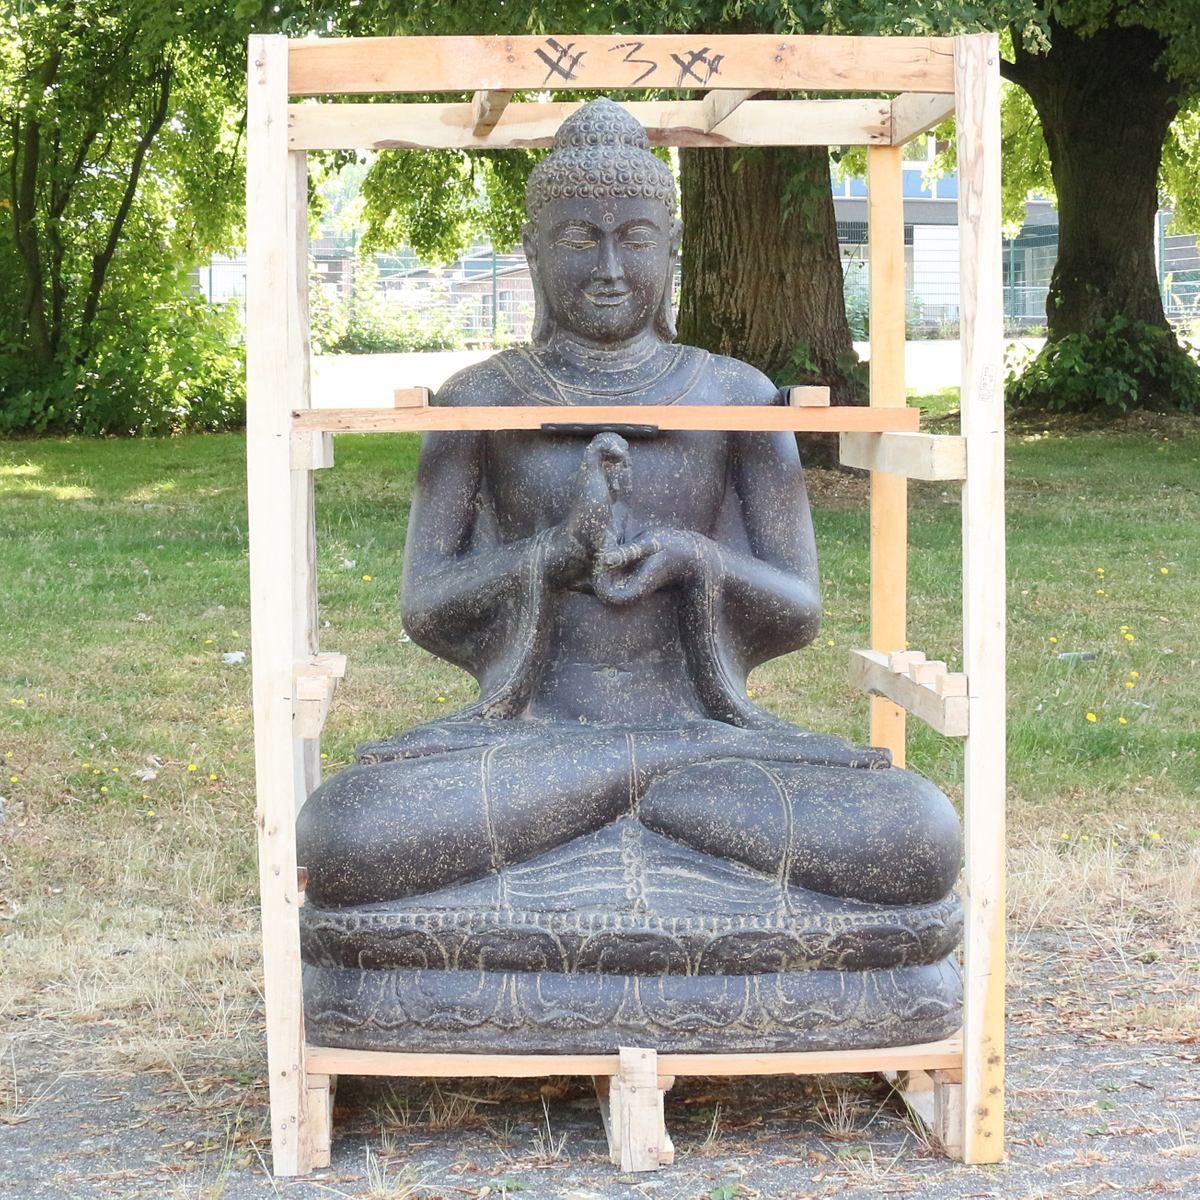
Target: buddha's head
[602, 237]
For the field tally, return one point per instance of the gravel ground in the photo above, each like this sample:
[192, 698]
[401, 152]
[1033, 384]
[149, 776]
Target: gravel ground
[1090, 1113]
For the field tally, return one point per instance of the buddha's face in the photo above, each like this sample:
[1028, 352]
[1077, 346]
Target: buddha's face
[604, 265]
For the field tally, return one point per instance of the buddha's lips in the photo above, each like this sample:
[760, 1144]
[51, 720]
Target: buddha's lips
[607, 298]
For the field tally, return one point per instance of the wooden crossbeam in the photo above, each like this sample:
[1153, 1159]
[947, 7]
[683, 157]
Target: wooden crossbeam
[729, 417]
[914, 455]
[851, 122]
[915, 113]
[486, 107]
[346, 66]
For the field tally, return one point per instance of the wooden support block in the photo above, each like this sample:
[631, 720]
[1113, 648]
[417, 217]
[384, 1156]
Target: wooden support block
[913, 455]
[316, 1126]
[312, 449]
[316, 679]
[871, 672]
[417, 397]
[927, 673]
[808, 397]
[631, 1107]
[914, 113]
[935, 1099]
[718, 104]
[902, 661]
[486, 107]
[953, 683]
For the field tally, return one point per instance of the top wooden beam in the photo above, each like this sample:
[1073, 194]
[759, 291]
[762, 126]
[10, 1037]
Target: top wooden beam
[569, 61]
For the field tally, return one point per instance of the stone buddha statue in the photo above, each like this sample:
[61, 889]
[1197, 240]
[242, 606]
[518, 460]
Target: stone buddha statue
[614, 844]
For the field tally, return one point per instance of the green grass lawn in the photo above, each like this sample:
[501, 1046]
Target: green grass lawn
[124, 582]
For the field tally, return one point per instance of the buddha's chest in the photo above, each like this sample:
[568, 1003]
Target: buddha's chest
[677, 478]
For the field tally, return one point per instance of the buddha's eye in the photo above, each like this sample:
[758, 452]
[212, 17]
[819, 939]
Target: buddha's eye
[574, 240]
[638, 243]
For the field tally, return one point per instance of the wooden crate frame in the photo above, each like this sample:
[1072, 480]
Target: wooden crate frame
[957, 1085]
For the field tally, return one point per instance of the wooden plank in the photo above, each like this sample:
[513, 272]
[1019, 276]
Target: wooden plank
[914, 455]
[889, 493]
[637, 1109]
[935, 1099]
[731, 417]
[850, 122]
[417, 397]
[573, 61]
[486, 107]
[915, 113]
[273, 390]
[925, 1056]
[807, 397]
[870, 672]
[977, 67]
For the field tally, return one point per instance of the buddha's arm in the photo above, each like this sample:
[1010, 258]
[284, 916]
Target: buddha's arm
[456, 573]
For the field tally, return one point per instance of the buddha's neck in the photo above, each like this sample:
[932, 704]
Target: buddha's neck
[584, 352]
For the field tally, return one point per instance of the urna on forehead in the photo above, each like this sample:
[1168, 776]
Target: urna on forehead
[600, 152]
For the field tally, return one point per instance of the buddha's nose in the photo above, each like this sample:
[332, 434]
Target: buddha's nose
[608, 266]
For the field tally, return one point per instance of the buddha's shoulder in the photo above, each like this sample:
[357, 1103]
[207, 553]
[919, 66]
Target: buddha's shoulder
[483, 384]
[735, 382]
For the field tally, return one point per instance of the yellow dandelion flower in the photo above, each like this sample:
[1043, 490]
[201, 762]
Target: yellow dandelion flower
[1099, 570]
[17, 701]
[366, 579]
[1163, 571]
[1101, 592]
[750, 693]
[104, 791]
[830, 642]
[1155, 835]
[1134, 675]
[1092, 717]
[192, 767]
[1085, 838]
[14, 779]
[1066, 837]
[324, 755]
[439, 699]
[1129, 683]
[1122, 720]
[1053, 640]
[1129, 637]
[208, 641]
[151, 813]
[8, 754]
[1124, 628]
[212, 777]
[97, 771]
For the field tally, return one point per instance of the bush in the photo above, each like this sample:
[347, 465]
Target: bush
[1118, 365]
[161, 367]
[370, 323]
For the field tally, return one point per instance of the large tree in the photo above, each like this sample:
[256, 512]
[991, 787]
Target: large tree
[121, 171]
[1109, 80]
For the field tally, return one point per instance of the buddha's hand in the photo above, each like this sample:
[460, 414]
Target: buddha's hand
[657, 559]
[588, 527]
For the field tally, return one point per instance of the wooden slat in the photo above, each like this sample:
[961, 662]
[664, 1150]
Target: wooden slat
[274, 387]
[914, 455]
[870, 671]
[731, 417]
[977, 61]
[574, 61]
[925, 1056]
[486, 109]
[415, 397]
[889, 493]
[853, 122]
[915, 113]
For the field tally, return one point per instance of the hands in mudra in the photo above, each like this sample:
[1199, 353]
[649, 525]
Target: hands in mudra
[622, 568]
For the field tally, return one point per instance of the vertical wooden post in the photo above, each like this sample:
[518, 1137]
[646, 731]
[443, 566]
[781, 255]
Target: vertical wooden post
[275, 383]
[977, 96]
[889, 493]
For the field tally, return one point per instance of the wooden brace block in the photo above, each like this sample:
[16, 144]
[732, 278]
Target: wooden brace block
[316, 1132]
[871, 671]
[720, 103]
[486, 107]
[927, 673]
[935, 1099]
[312, 449]
[316, 679]
[417, 397]
[808, 397]
[913, 455]
[631, 1107]
[914, 113]
[903, 661]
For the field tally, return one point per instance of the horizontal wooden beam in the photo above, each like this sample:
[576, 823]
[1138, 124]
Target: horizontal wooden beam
[854, 122]
[926, 1056]
[935, 695]
[572, 61]
[913, 455]
[729, 417]
[486, 107]
[915, 113]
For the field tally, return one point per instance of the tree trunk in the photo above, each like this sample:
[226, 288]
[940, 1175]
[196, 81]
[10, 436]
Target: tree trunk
[762, 277]
[1105, 110]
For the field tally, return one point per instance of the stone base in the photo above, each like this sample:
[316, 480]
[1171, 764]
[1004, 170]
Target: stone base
[546, 1013]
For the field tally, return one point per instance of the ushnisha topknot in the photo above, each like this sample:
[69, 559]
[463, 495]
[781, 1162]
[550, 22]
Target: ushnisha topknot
[599, 151]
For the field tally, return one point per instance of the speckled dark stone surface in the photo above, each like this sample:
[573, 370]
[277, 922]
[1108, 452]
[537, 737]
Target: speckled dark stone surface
[614, 844]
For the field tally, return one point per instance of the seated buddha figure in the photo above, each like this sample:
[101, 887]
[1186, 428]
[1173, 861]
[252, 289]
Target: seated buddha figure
[614, 843]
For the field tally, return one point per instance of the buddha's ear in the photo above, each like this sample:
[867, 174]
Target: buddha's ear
[676, 236]
[543, 324]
